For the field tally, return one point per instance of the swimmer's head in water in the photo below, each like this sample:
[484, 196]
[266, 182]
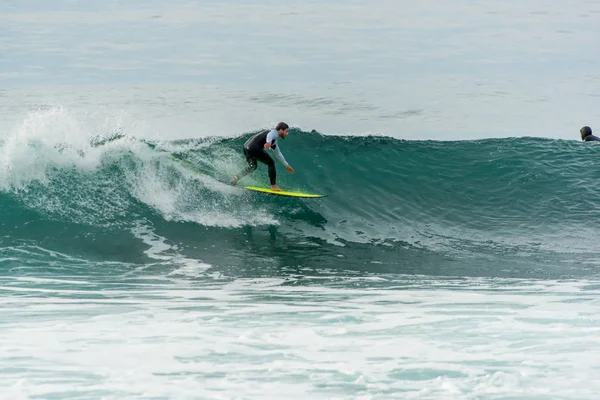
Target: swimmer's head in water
[585, 131]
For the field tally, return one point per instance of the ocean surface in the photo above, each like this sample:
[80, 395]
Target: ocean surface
[456, 255]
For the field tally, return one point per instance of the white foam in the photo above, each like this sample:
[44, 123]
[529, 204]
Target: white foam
[258, 338]
[56, 139]
[158, 246]
[46, 138]
[190, 268]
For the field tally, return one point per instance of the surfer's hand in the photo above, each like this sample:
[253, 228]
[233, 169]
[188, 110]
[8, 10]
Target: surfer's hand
[267, 145]
[290, 169]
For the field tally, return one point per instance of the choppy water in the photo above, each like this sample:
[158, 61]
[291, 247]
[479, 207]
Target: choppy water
[464, 267]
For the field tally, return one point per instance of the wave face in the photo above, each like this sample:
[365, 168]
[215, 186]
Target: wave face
[508, 207]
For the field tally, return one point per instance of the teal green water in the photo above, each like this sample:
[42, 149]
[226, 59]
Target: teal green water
[454, 257]
[522, 208]
[457, 269]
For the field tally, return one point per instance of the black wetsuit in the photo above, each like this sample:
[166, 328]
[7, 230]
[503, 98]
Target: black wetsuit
[254, 150]
[591, 138]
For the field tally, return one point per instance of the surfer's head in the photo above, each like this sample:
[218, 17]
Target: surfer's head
[585, 131]
[283, 129]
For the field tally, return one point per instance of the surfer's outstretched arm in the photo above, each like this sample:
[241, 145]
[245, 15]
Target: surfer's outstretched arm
[271, 143]
[277, 152]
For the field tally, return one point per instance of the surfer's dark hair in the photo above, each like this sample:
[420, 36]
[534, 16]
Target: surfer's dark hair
[281, 126]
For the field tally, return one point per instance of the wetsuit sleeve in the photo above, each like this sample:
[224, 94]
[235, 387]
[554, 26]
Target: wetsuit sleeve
[272, 136]
[272, 139]
[280, 156]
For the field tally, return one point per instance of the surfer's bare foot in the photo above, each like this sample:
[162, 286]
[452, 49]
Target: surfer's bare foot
[234, 181]
[275, 187]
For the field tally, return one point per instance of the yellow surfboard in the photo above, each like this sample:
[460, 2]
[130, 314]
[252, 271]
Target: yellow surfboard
[283, 193]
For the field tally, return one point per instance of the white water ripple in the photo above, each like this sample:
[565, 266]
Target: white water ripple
[181, 338]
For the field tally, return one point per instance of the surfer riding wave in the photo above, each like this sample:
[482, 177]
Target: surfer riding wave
[255, 150]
